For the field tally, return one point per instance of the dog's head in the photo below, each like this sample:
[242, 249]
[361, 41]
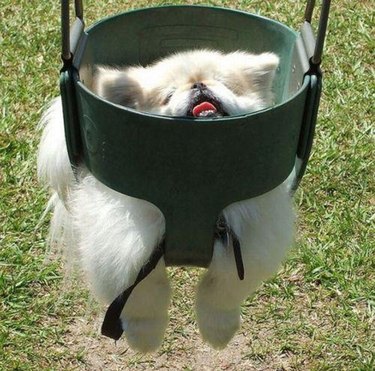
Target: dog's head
[198, 83]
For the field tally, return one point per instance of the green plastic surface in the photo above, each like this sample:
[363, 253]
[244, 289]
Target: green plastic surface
[190, 169]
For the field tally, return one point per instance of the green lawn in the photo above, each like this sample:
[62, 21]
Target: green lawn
[317, 314]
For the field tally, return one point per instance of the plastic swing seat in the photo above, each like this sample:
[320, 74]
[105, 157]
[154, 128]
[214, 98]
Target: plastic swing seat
[200, 165]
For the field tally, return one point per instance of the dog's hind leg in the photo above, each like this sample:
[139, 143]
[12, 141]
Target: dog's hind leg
[117, 236]
[265, 228]
[219, 296]
[145, 316]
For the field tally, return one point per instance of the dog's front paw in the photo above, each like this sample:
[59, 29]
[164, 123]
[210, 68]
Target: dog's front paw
[145, 334]
[217, 326]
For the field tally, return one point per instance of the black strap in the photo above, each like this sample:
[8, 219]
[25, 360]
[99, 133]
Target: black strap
[112, 326]
[226, 234]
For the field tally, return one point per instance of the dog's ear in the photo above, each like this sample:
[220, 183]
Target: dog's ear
[117, 86]
[257, 69]
[262, 69]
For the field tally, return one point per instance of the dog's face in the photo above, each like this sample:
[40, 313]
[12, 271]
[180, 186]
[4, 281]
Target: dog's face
[198, 83]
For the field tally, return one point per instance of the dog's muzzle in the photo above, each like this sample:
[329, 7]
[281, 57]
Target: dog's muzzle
[204, 104]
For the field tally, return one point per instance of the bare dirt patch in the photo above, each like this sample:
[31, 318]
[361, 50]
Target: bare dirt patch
[183, 352]
[183, 349]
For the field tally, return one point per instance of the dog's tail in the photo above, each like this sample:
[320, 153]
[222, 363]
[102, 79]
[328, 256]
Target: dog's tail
[55, 173]
[54, 169]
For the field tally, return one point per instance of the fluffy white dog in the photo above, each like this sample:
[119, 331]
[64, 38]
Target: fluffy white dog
[113, 235]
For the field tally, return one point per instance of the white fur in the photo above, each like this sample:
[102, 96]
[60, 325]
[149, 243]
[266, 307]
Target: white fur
[175, 74]
[113, 235]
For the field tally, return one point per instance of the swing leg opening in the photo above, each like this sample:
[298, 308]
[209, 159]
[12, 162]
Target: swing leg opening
[112, 326]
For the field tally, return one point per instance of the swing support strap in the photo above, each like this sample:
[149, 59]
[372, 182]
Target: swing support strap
[70, 35]
[323, 23]
[314, 49]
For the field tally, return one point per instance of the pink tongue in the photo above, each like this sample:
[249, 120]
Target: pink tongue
[203, 107]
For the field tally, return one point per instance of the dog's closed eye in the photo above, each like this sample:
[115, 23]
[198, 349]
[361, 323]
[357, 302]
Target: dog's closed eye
[168, 97]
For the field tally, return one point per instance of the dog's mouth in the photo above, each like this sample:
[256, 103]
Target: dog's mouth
[204, 104]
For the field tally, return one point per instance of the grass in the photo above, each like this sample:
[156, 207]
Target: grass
[317, 314]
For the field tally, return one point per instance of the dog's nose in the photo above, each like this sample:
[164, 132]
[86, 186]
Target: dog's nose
[199, 86]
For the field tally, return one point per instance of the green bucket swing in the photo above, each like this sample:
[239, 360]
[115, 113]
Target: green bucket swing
[190, 169]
